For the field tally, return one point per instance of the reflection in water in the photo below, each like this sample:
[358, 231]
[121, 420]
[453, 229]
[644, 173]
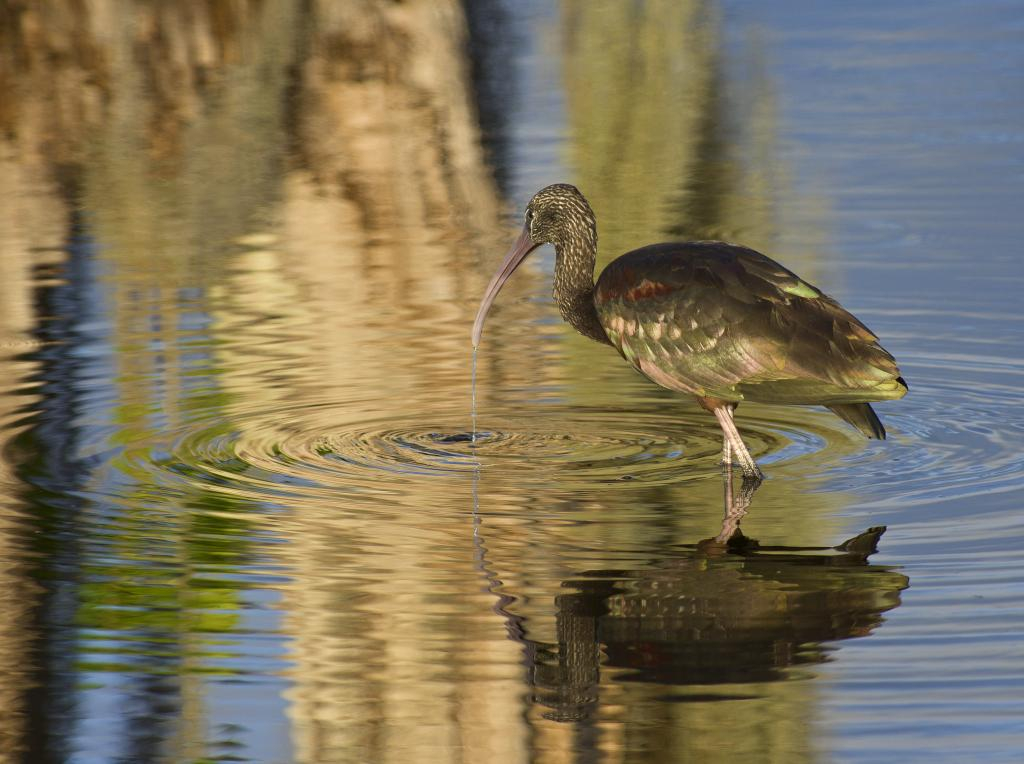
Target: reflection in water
[148, 144]
[712, 619]
[661, 141]
[724, 614]
[492, 48]
[201, 470]
[241, 247]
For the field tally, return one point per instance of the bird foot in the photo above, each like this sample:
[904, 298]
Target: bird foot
[752, 475]
[737, 504]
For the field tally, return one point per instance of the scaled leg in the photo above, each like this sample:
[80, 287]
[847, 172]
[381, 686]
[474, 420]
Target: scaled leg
[739, 448]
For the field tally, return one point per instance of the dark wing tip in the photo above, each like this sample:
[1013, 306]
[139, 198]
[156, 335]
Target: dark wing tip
[861, 416]
[865, 543]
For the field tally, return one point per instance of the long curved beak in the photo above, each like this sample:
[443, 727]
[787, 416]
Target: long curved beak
[524, 245]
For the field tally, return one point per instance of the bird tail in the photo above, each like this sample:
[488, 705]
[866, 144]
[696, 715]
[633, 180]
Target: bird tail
[861, 416]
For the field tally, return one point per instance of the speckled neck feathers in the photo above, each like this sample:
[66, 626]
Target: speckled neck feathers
[563, 217]
[574, 286]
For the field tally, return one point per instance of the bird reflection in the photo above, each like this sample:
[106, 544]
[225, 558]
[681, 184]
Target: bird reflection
[725, 610]
[736, 503]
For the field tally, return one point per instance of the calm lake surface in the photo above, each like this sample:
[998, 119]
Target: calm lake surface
[241, 518]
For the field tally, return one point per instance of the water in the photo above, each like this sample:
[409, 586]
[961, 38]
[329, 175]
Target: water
[250, 509]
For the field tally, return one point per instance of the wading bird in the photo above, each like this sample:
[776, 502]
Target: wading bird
[718, 321]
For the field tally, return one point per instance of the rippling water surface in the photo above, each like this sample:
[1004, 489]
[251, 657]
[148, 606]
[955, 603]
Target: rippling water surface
[243, 515]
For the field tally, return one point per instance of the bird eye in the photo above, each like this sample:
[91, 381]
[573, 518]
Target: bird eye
[529, 215]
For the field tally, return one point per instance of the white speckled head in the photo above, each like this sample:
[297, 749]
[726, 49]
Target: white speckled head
[556, 214]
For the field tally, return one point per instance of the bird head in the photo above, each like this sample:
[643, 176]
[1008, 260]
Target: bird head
[556, 214]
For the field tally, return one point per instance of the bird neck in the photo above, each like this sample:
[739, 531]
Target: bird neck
[574, 284]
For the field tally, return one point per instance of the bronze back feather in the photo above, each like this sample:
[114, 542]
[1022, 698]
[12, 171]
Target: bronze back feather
[725, 321]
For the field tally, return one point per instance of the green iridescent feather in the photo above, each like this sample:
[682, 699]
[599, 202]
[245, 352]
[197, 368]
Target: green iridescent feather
[723, 321]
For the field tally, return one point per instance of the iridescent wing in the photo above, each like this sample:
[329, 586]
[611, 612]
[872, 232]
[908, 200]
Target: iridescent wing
[724, 321]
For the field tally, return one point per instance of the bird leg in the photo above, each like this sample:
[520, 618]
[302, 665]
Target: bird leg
[736, 505]
[710, 404]
[726, 452]
[723, 413]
